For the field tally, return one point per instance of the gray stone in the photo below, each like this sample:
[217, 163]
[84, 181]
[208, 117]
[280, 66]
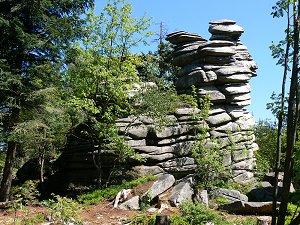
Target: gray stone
[173, 131]
[216, 110]
[246, 122]
[248, 207]
[186, 111]
[180, 37]
[143, 171]
[230, 30]
[157, 158]
[182, 192]
[217, 60]
[155, 149]
[230, 70]
[183, 49]
[195, 78]
[215, 43]
[239, 97]
[224, 37]
[229, 194]
[244, 165]
[234, 89]
[235, 78]
[175, 140]
[131, 204]
[188, 69]
[229, 127]
[217, 51]
[184, 164]
[134, 143]
[201, 196]
[242, 103]
[242, 155]
[185, 59]
[215, 95]
[138, 132]
[218, 119]
[223, 22]
[161, 185]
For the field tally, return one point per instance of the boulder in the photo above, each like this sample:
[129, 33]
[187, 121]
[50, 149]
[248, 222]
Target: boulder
[131, 204]
[216, 51]
[183, 191]
[161, 185]
[230, 195]
[242, 207]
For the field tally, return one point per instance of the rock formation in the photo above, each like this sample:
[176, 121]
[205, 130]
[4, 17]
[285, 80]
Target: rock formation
[220, 67]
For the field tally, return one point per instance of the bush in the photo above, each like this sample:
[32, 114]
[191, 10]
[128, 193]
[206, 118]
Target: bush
[63, 210]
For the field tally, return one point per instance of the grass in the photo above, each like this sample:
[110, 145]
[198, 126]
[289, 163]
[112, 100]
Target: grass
[110, 192]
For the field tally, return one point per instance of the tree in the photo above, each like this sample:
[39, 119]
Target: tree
[277, 52]
[34, 36]
[101, 71]
[293, 104]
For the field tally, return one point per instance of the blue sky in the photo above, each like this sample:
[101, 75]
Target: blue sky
[253, 15]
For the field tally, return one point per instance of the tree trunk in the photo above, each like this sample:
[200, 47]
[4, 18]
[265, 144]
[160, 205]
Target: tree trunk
[8, 171]
[296, 221]
[264, 220]
[280, 119]
[161, 220]
[292, 120]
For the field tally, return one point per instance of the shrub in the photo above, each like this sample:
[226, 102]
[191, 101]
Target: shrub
[63, 210]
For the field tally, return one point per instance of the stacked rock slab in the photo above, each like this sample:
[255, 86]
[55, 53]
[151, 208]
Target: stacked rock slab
[221, 67]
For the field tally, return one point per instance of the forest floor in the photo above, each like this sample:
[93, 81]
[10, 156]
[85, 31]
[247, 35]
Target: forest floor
[102, 213]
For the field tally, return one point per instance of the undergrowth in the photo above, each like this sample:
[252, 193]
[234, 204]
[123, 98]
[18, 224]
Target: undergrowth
[110, 192]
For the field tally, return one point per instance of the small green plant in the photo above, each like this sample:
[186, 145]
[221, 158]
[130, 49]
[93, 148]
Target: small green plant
[34, 219]
[110, 192]
[16, 204]
[143, 219]
[63, 210]
[198, 214]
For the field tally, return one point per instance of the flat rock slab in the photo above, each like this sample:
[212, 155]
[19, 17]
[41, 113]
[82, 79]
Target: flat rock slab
[248, 207]
[161, 185]
[230, 195]
[180, 37]
[228, 29]
[217, 51]
[223, 21]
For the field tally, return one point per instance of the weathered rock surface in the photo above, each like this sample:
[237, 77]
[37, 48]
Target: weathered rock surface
[230, 195]
[161, 185]
[131, 204]
[183, 191]
[242, 207]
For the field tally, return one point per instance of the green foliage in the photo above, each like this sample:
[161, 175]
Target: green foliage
[209, 159]
[63, 210]
[165, 103]
[266, 137]
[197, 214]
[110, 192]
[27, 192]
[143, 219]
